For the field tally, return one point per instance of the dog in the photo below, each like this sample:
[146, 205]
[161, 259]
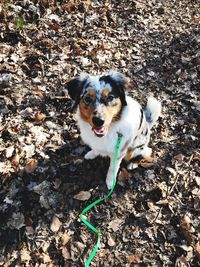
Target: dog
[105, 111]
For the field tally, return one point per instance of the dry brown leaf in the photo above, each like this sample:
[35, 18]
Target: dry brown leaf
[182, 262]
[179, 158]
[123, 177]
[115, 224]
[147, 162]
[25, 255]
[197, 157]
[162, 202]
[196, 18]
[46, 258]
[152, 206]
[57, 183]
[123, 174]
[9, 151]
[65, 253]
[56, 27]
[17, 220]
[135, 258]
[185, 227]
[6, 168]
[65, 239]
[39, 117]
[55, 224]
[15, 160]
[29, 230]
[111, 242]
[31, 165]
[83, 195]
[37, 91]
[70, 6]
[197, 250]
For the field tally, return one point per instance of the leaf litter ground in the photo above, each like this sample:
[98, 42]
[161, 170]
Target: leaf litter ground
[152, 219]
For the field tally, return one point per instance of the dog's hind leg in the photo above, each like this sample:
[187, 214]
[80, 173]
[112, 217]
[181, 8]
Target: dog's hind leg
[134, 156]
[90, 155]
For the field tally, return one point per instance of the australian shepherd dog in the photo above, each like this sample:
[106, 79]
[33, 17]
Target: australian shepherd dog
[105, 111]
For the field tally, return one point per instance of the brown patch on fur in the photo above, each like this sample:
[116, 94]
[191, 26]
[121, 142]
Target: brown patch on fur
[129, 154]
[105, 92]
[112, 113]
[86, 112]
[91, 92]
[108, 113]
[118, 109]
[117, 117]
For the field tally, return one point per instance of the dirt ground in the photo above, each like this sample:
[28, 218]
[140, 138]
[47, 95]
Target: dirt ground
[153, 216]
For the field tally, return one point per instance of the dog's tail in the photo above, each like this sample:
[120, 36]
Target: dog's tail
[152, 110]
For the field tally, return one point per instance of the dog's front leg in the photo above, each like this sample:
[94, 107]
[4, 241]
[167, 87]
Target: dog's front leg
[112, 171]
[90, 155]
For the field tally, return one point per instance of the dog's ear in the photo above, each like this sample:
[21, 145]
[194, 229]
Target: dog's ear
[119, 83]
[75, 87]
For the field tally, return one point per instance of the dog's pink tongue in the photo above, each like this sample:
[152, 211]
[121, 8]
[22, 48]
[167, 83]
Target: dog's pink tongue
[100, 131]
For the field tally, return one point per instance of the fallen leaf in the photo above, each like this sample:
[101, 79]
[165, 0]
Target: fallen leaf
[152, 206]
[135, 258]
[182, 262]
[37, 91]
[15, 160]
[196, 18]
[46, 258]
[29, 230]
[70, 6]
[17, 221]
[55, 224]
[179, 158]
[115, 224]
[123, 175]
[31, 165]
[162, 202]
[6, 168]
[197, 250]
[65, 239]
[83, 195]
[65, 253]
[39, 117]
[147, 162]
[185, 227]
[172, 171]
[111, 242]
[9, 151]
[57, 183]
[30, 150]
[25, 255]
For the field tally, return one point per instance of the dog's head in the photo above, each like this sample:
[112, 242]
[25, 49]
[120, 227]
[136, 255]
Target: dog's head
[100, 99]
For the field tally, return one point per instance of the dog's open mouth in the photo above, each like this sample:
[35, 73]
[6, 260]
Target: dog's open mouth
[100, 132]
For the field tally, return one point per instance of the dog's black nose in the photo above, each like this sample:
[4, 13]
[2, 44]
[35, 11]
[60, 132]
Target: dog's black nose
[97, 121]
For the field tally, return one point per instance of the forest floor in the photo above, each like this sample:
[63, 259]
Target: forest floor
[152, 218]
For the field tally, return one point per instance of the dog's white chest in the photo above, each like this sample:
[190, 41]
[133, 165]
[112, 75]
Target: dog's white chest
[103, 145]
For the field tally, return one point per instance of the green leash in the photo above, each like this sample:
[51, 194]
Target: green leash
[83, 217]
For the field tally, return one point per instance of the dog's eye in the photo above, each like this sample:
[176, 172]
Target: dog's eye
[110, 98]
[88, 100]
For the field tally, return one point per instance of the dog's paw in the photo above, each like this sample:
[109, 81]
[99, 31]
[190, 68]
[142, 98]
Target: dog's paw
[109, 182]
[90, 155]
[132, 166]
[146, 152]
